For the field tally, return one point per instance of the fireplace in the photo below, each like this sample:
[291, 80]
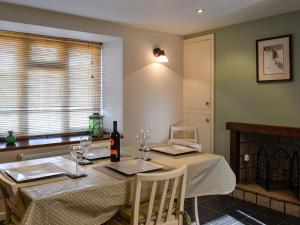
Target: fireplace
[272, 170]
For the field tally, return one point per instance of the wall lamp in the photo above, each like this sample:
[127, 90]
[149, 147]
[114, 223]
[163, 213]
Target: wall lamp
[160, 55]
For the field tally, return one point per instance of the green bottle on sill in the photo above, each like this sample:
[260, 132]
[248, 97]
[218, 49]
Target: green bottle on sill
[10, 139]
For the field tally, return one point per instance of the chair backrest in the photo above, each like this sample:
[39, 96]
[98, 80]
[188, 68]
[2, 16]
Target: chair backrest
[174, 186]
[184, 131]
[14, 206]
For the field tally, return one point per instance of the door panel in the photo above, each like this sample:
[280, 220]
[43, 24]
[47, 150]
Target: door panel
[203, 124]
[197, 75]
[196, 95]
[197, 59]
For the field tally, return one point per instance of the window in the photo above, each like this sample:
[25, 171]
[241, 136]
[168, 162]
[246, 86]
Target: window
[48, 85]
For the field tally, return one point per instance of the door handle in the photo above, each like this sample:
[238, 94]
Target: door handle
[207, 103]
[207, 120]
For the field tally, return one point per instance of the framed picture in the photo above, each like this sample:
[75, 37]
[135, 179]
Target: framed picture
[274, 59]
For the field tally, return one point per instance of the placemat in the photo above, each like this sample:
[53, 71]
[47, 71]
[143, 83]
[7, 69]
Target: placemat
[176, 156]
[121, 176]
[68, 156]
[34, 182]
[112, 173]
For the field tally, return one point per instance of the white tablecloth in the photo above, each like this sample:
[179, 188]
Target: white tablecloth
[96, 198]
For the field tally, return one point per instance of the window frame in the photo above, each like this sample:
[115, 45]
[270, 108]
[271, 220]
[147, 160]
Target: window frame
[59, 65]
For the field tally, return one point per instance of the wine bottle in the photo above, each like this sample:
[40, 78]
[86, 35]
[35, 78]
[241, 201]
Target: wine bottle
[115, 144]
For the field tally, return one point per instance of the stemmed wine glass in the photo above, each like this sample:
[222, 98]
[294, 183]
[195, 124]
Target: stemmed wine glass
[77, 156]
[143, 140]
[85, 143]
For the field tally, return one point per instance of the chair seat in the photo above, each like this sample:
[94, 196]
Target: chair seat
[124, 214]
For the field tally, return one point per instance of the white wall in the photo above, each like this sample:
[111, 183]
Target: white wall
[112, 71]
[152, 92]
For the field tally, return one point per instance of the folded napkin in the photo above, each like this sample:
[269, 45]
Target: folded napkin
[185, 143]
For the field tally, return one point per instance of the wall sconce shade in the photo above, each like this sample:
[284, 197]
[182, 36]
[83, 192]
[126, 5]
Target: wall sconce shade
[160, 55]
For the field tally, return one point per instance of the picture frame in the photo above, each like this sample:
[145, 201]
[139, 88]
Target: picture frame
[274, 59]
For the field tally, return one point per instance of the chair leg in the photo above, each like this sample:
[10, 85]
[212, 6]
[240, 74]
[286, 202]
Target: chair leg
[195, 211]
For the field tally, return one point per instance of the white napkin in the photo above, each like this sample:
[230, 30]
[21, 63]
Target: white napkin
[185, 143]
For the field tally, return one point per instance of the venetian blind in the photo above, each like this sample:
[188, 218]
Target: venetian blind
[48, 85]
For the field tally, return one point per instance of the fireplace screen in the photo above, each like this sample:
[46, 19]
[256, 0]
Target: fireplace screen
[262, 161]
[278, 170]
[295, 181]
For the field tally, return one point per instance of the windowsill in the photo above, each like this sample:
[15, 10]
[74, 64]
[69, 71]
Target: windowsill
[40, 142]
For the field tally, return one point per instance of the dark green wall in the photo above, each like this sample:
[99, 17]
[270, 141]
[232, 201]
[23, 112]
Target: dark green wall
[238, 96]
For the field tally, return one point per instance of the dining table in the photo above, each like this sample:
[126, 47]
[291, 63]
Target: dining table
[96, 198]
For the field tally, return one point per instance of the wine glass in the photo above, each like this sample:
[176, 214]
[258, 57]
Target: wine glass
[143, 138]
[147, 135]
[141, 141]
[85, 143]
[77, 156]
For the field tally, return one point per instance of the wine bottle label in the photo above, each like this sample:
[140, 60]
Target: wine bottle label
[112, 142]
[114, 152]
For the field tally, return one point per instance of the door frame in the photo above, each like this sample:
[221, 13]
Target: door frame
[210, 37]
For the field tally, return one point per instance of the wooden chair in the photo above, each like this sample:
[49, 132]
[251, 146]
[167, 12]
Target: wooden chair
[14, 206]
[165, 208]
[194, 139]
[184, 131]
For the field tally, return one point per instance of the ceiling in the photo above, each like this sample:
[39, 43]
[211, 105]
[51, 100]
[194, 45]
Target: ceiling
[171, 16]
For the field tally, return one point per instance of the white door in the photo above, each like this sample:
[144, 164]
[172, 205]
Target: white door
[198, 88]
